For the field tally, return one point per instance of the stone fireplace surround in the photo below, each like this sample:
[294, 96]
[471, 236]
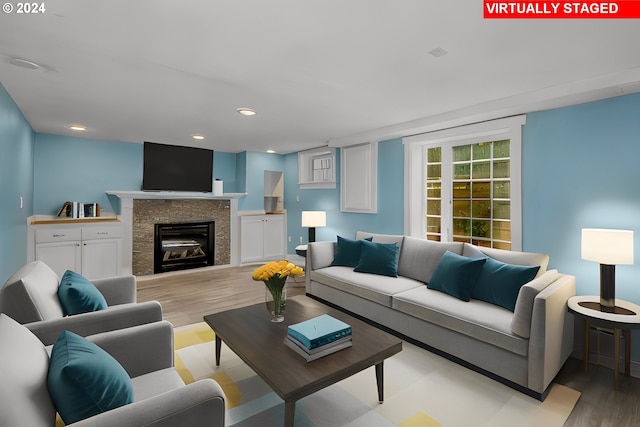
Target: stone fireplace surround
[141, 210]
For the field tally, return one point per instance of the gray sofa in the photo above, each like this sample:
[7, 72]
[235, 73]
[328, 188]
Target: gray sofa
[160, 397]
[524, 349]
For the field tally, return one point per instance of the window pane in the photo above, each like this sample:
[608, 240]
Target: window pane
[483, 243]
[502, 209]
[501, 169]
[502, 230]
[482, 151]
[481, 170]
[462, 153]
[461, 190]
[434, 189]
[434, 171]
[502, 245]
[481, 228]
[482, 190]
[501, 149]
[433, 207]
[461, 171]
[461, 239]
[434, 237]
[482, 209]
[462, 208]
[434, 155]
[433, 224]
[461, 227]
[501, 189]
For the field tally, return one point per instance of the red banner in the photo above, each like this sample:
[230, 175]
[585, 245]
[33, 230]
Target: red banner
[622, 9]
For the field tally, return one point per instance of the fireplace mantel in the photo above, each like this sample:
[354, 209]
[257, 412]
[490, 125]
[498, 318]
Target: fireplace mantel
[126, 214]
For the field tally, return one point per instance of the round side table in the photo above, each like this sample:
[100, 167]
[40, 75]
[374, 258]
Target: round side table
[625, 317]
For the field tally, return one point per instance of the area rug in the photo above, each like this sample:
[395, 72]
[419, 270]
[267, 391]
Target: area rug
[421, 389]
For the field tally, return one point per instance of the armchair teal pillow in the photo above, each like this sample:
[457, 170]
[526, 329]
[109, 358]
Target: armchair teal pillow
[499, 283]
[78, 295]
[348, 252]
[456, 275]
[84, 380]
[378, 258]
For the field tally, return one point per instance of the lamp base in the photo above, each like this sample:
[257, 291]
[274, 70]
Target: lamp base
[606, 309]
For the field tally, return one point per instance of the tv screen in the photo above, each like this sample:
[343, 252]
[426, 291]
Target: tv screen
[175, 168]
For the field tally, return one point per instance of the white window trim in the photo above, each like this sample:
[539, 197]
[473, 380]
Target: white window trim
[415, 179]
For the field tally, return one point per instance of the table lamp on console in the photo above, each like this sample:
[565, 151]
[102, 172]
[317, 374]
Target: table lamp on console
[609, 248]
[313, 219]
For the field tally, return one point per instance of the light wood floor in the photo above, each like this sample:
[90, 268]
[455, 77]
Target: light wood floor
[187, 296]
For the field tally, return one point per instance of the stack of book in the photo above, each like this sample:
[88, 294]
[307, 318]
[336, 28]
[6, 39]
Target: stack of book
[318, 337]
[79, 210]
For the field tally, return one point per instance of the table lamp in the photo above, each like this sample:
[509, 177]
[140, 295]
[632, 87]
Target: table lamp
[313, 219]
[608, 247]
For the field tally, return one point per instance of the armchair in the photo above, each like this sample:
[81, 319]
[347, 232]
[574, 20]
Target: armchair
[30, 297]
[161, 399]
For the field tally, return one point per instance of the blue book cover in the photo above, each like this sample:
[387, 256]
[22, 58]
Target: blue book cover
[319, 331]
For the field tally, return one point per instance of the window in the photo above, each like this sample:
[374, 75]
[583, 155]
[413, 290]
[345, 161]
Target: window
[463, 184]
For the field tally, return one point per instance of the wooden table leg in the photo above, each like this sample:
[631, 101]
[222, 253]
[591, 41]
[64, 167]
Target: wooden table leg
[586, 346]
[616, 356]
[380, 381]
[218, 348]
[289, 412]
[627, 352]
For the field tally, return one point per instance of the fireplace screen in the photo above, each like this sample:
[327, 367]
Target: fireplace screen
[182, 246]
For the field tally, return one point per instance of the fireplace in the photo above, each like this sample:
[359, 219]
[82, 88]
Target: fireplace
[183, 245]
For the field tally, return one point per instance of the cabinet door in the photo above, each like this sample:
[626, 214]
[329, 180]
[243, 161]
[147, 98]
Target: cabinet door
[274, 237]
[60, 256]
[101, 258]
[251, 238]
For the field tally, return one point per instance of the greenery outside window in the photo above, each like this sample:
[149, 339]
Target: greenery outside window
[463, 184]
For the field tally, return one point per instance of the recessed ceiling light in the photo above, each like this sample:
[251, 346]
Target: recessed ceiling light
[197, 136]
[246, 111]
[271, 151]
[77, 127]
[23, 63]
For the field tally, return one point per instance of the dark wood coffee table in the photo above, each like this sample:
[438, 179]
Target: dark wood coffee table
[249, 332]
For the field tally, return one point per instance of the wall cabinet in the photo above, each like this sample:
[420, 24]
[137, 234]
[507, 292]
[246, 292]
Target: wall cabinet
[95, 251]
[262, 238]
[359, 178]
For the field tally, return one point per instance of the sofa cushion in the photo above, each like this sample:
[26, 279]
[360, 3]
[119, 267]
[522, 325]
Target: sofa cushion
[372, 287]
[521, 323]
[499, 282]
[84, 380]
[510, 257]
[78, 295]
[478, 319]
[30, 294]
[347, 252]
[456, 275]
[419, 257]
[155, 383]
[24, 363]
[378, 258]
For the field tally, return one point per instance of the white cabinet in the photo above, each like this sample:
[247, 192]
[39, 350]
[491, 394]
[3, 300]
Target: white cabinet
[95, 250]
[359, 178]
[262, 238]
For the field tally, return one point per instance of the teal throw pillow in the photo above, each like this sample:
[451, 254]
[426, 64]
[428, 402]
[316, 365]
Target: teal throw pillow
[456, 275]
[78, 295]
[499, 283]
[378, 258]
[347, 252]
[84, 380]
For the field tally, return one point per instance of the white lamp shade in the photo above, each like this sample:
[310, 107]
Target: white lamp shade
[610, 247]
[314, 218]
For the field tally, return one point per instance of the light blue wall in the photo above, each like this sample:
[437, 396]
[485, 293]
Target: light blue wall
[255, 165]
[16, 180]
[78, 169]
[390, 216]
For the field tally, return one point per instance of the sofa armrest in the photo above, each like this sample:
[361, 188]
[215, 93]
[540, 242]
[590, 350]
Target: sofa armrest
[117, 290]
[551, 340]
[198, 404]
[319, 255]
[116, 317]
[140, 349]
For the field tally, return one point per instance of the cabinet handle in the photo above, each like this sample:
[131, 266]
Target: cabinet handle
[77, 244]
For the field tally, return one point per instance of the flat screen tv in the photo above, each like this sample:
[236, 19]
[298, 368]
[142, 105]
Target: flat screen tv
[176, 168]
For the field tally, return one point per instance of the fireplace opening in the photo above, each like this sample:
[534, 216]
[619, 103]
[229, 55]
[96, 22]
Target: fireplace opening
[183, 246]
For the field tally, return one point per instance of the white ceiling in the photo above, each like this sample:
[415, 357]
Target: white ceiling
[317, 72]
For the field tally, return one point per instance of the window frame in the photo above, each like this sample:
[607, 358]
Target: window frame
[415, 152]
